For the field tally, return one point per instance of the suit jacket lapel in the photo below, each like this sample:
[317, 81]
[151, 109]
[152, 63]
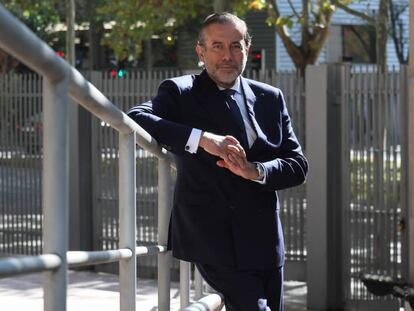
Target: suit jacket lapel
[250, 101]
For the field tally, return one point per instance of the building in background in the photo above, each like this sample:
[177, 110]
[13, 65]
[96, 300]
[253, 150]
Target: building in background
[351, 39]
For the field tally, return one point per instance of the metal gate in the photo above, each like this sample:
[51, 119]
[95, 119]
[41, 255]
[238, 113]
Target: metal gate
[374, 171]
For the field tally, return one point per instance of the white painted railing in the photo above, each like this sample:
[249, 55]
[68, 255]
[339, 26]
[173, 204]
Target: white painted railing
[61, 81]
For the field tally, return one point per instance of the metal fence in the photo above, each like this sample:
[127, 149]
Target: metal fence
[374, 242]
[374, 207]
[21, 130]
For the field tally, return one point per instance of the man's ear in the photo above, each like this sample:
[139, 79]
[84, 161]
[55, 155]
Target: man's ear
[200, 52]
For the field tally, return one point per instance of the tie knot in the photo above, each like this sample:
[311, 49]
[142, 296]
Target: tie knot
[229, 92]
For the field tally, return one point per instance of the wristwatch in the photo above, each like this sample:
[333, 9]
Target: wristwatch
[260, 171]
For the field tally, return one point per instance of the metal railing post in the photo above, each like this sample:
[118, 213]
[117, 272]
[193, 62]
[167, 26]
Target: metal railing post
[55, 190]
[184, 283]
[127, 220]
[164, 213]
[198, 284]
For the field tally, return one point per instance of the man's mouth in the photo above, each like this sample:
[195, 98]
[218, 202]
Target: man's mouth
[227, 67]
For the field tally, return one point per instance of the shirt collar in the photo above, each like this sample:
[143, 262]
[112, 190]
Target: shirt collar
[235, 87]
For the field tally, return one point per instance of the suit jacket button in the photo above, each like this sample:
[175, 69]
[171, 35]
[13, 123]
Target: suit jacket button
[232, 207]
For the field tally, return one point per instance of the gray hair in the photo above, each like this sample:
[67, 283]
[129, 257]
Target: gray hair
[224, 18]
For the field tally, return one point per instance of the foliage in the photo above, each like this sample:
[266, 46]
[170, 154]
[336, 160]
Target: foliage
[134, 21]
[39, 16]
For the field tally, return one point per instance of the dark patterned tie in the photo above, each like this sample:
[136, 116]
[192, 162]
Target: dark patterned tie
[237, 116]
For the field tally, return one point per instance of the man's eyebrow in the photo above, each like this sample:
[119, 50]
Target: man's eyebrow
[220, 42]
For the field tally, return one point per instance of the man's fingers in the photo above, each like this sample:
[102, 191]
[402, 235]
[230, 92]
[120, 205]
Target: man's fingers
[236, 160]
[233, 148]
[222, 163]
[232, 139]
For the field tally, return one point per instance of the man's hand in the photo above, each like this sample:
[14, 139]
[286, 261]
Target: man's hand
[232, 154]
[237, 163]
[217, 144]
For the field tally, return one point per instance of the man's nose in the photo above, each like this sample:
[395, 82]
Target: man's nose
[227, 54]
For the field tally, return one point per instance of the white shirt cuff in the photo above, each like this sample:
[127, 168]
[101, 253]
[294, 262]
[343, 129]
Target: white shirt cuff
[192, 143]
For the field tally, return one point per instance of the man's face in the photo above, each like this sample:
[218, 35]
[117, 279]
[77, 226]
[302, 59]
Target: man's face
[223, 52]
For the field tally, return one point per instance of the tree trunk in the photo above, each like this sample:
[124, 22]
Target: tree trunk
[382, 35]
[221, 6]
[96, 57]
[70, 32]
[149, 59]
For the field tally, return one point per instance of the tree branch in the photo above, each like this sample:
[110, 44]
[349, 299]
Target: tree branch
[349, 10]
[293, 9]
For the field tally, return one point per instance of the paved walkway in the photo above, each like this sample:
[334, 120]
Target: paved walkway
[89, 291]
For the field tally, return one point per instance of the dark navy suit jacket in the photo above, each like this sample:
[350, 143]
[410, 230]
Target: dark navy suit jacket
[217, 217]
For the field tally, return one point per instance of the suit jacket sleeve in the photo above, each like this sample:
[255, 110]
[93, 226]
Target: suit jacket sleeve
[160, 118]
[289, 166]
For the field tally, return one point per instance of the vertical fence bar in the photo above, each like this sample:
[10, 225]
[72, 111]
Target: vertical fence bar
[127, 220]
[184, 284]
[55, 190]
[164, 211]
[410, 150]
[198, 284]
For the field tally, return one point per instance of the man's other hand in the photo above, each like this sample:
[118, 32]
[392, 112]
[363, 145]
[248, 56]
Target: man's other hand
[232, 154]
[236, 161]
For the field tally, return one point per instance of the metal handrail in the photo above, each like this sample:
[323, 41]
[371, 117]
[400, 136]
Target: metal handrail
[10, 266]
[212, 302]
[28, 264]
[60, 81]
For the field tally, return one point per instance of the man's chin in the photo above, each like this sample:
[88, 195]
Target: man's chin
[228, 78]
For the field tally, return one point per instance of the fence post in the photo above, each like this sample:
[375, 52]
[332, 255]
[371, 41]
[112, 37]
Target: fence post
[164, 213]
[316, 152]
[127, 220]
[198, 284]
[184, 284]
[55, 190]
[324, 188]
[410, 149]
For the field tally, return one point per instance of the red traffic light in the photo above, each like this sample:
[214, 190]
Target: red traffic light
[60, 53]
[257, 55]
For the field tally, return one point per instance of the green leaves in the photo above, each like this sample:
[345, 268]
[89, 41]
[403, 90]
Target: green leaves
[137, 21]
[257, 5]
[282, 21]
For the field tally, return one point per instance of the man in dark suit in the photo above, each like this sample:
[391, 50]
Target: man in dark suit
[234, 148]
